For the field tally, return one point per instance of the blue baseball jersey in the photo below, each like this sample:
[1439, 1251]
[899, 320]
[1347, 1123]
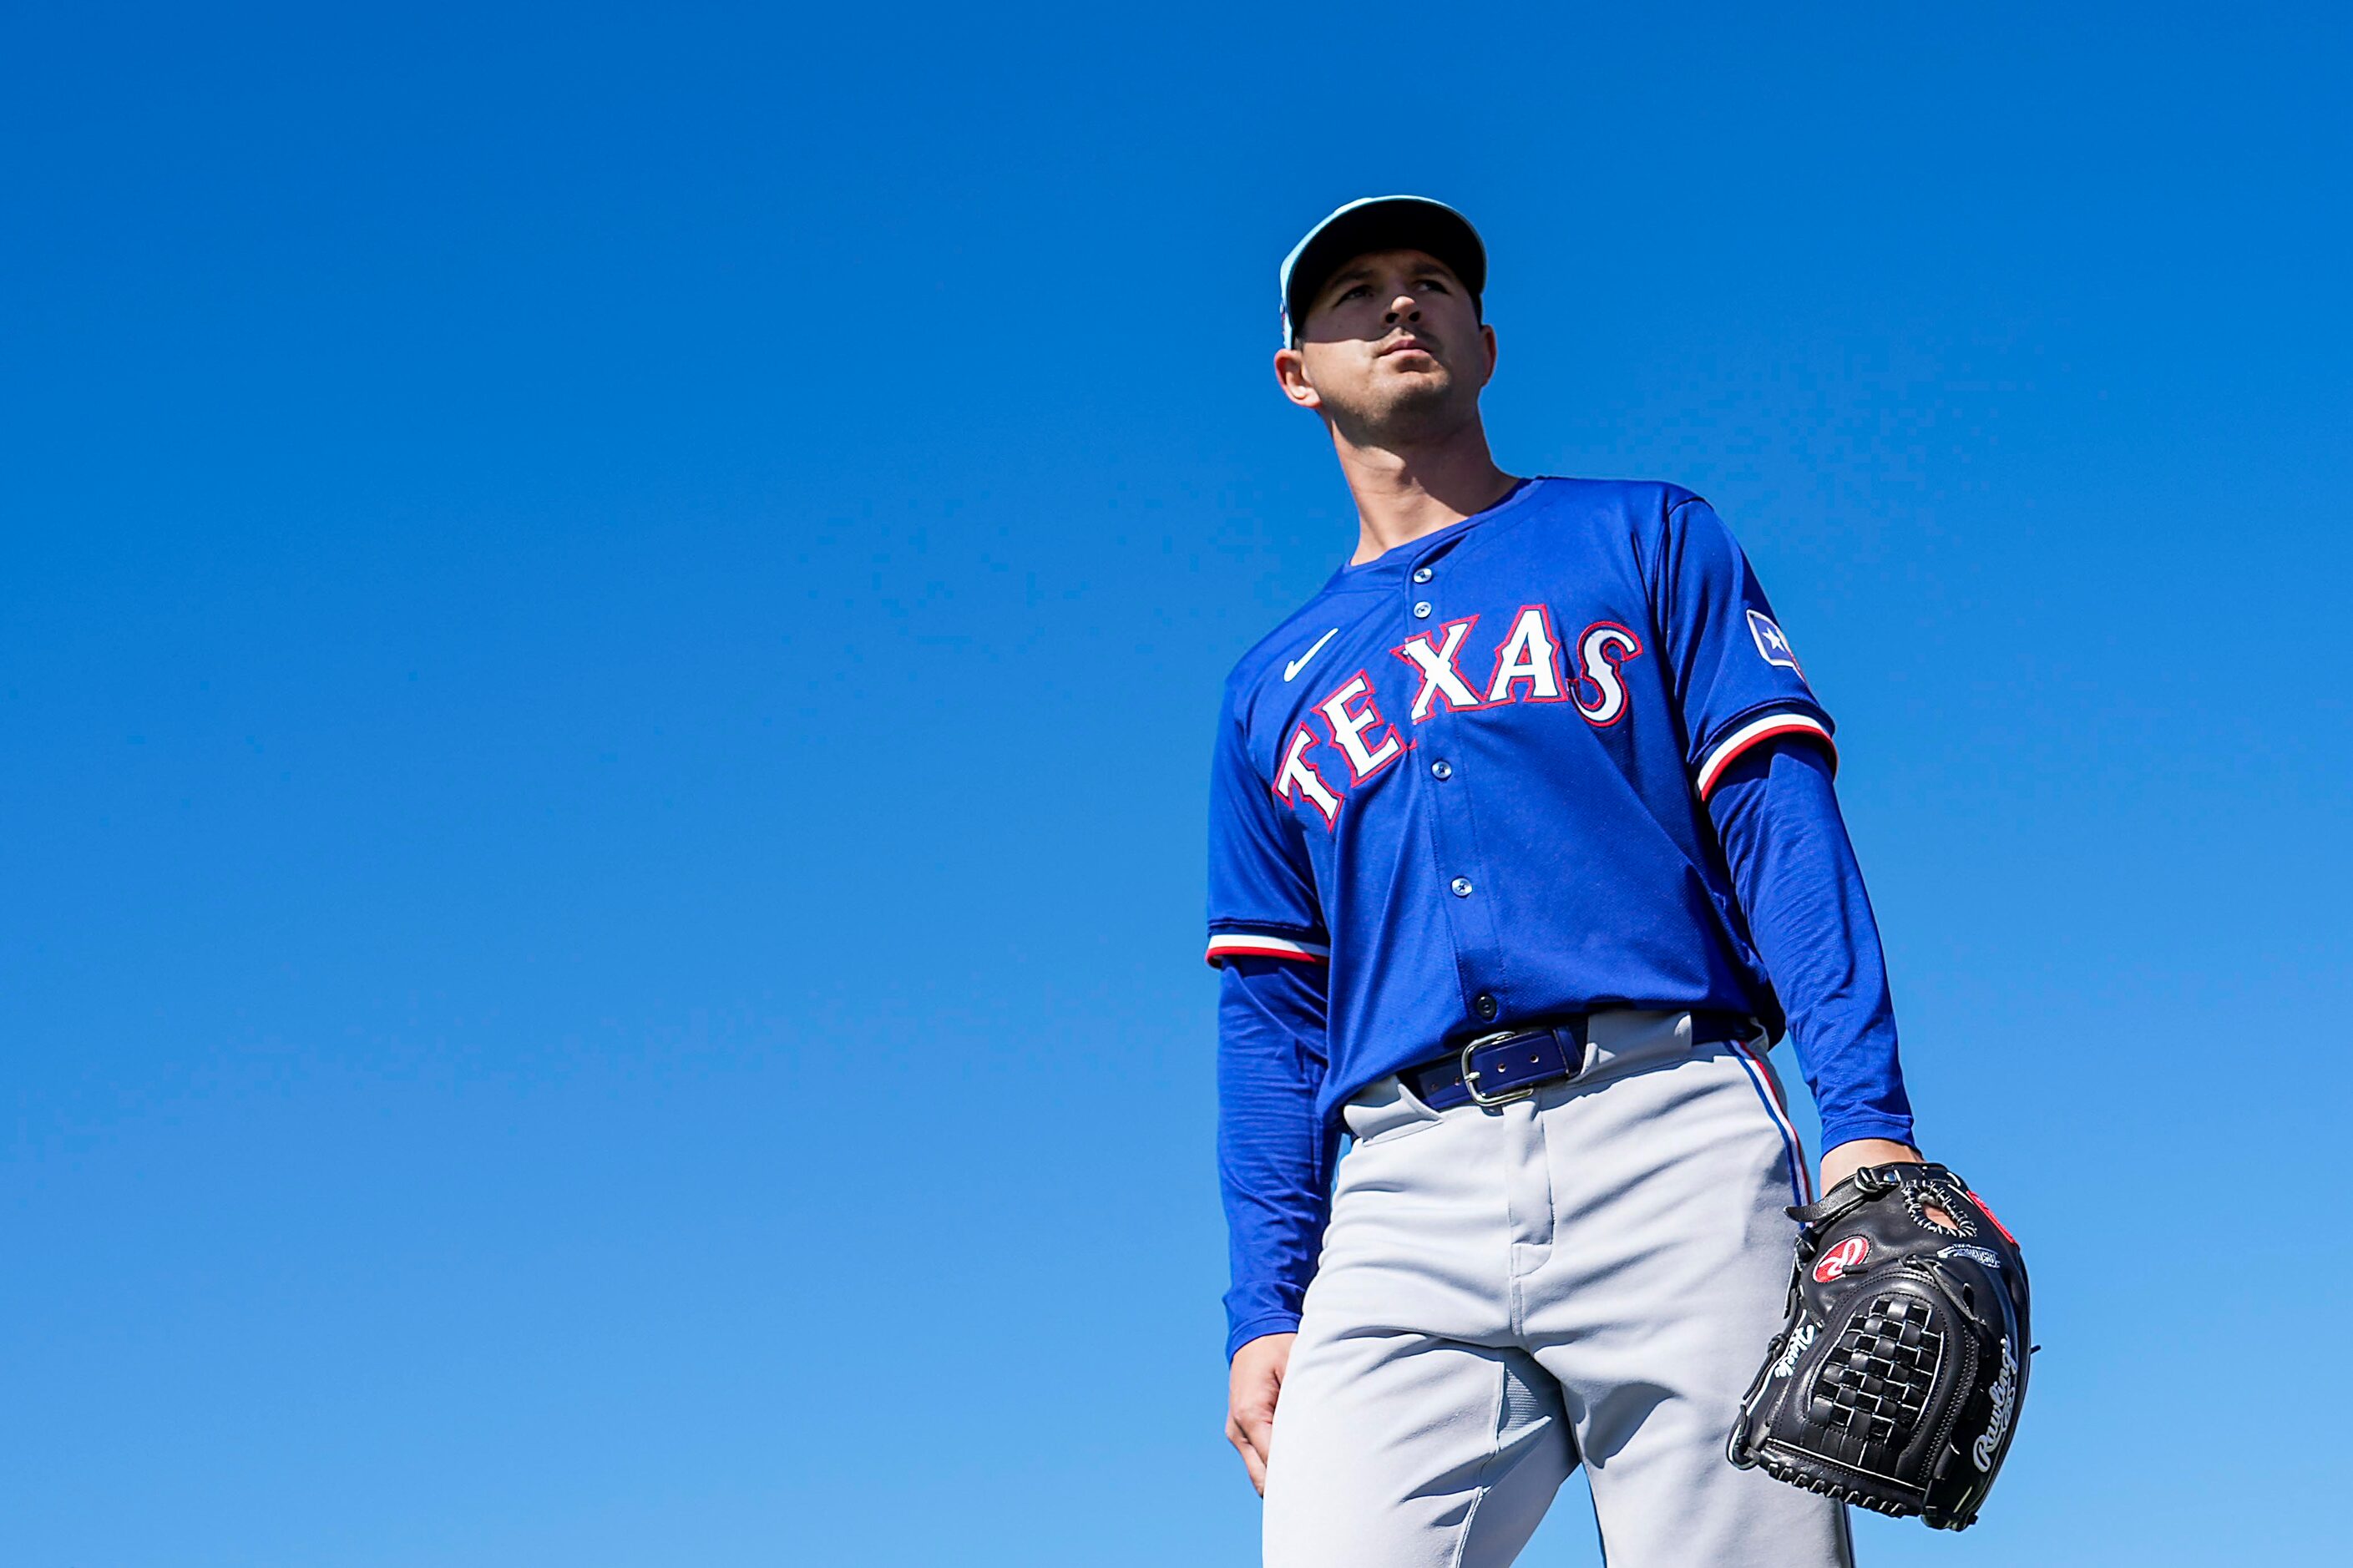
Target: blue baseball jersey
[1469, 777]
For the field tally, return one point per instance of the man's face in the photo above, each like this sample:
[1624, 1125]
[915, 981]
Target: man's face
[1390, 348]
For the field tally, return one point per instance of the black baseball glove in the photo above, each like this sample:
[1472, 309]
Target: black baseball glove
[1896, 1380]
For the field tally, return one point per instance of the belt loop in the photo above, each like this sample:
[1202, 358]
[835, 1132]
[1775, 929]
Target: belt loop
[1573, 1039]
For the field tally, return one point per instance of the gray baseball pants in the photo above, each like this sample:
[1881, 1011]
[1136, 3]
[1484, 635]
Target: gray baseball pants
[1590, 1276]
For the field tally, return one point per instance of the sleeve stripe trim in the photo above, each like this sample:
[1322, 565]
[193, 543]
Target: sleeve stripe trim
[1728, 750]
[1250, 944]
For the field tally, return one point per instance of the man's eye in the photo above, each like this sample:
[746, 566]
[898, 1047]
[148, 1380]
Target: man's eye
[1353, 291]
[1437, 283]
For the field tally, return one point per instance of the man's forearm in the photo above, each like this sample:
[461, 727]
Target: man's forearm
[1795, 870]
[1274, 1157]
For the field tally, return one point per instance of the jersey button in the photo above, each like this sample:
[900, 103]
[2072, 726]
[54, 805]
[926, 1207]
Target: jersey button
[1486, 1007]
[1462, 886]
[1421, 573]
[1422, 611]
[1441, 769]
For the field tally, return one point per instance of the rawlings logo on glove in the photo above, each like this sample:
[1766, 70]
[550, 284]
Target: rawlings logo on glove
[1896, 1381]
[1988, 1447]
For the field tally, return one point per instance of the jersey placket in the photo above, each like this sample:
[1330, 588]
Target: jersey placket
[1444, 788]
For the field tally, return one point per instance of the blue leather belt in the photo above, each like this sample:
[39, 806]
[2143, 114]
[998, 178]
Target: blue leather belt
[1498, 1068]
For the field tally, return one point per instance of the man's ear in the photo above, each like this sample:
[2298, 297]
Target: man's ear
[1291, 371]
[1487, 336]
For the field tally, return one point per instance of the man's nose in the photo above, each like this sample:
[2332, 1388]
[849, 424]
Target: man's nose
[1404, 308]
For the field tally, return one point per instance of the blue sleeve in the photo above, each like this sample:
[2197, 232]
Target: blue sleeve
[1794, 867]
[1735, 677]
[1267, 936]
[1274, 1155]
[1262, 898]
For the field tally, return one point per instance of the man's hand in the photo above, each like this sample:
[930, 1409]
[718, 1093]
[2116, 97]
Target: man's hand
[1848, 1158]
[1256, 1383]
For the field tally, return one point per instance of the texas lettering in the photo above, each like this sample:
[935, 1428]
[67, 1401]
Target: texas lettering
[1461, 672]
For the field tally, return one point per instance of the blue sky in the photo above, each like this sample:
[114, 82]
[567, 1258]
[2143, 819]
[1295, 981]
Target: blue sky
[611, 629]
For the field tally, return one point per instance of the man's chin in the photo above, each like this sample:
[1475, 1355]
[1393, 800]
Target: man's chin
[1411, 402]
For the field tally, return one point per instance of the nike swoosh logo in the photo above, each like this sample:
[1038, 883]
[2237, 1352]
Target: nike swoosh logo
[1290, 670]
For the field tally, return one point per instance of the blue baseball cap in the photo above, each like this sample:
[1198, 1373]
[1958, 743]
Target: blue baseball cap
[1380, 223]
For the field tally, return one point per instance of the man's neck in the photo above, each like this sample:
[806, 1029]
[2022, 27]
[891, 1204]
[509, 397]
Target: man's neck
[1404, 493]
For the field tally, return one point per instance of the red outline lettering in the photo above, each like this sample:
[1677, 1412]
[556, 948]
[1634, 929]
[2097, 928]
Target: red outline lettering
[1295, 757]
[1442, 652]
[1371, 715]
[1586, 660]
[1552, 638]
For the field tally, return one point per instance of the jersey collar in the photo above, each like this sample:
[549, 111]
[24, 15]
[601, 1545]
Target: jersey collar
[1393, 564]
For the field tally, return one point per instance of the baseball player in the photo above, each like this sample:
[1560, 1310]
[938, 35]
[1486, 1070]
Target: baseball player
[1523, 852]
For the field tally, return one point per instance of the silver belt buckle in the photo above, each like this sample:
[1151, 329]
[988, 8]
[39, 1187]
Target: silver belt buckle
[1471, 1074]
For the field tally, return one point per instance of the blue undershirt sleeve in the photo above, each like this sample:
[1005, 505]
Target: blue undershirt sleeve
[1274, 1154]
[1794, 868]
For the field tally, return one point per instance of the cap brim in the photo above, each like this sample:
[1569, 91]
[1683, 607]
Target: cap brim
[1381, 223]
